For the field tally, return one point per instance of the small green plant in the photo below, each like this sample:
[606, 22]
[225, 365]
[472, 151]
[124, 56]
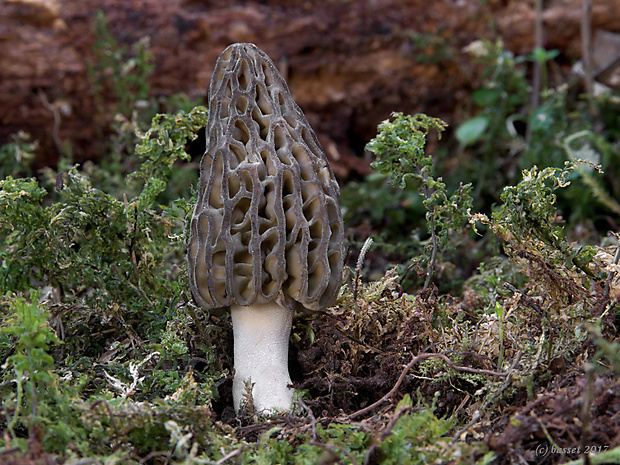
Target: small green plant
[22, 232]
[16, 155]
[162, 146]
[112, 70]
[120, 85]
[499, 312]
[509, 131]
[527, 220]
[497, 130]
[501, 97]
[399, 147]
[421, 427]
[90, 239]
[431, 48]
[119, 78]
[30, 366]
[114, 263]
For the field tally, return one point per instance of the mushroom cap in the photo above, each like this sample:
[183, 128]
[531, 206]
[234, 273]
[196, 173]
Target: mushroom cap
[267, 224]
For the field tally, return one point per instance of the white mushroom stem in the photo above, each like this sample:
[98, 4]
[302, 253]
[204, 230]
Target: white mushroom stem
[261, 334]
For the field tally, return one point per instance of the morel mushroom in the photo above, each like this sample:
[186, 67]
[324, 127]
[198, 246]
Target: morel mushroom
[267, 236]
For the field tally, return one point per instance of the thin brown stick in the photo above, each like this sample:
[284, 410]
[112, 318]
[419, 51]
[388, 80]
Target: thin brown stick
[538, 44]
[108, 410]
[310, 416]
[586, 46]
[55, 110]
[587, 399]
[154, 454]
[230, 455]
[461, 405]
[10, 450]
[334, 448]
[478, 413]
[525, 298]
[416, 359]
[386, 431]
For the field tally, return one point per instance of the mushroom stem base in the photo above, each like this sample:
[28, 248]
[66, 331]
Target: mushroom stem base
[261, 335]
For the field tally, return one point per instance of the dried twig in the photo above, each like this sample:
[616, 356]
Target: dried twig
[10, 450]
[587, 400]
[538, 39]
[108, 410]
[334, 449]
[55, 110]
[478, 412]
[416, 359]
[586, 47]
[310, 416]
[386, 431]
[525, 298]
[230, 455]
[154, 454]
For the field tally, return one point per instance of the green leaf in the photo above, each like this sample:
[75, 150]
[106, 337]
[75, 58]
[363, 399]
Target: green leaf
[542, 119]
[485, 97]
[540, 55]
[472, 130]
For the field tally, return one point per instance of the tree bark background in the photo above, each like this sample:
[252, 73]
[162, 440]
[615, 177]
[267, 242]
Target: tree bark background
[349, 63]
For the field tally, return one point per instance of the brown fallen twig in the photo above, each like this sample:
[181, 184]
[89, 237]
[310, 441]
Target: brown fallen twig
[334, 449]
[310, 416]
[230, 455]
[478, 413]
[386, 431]
[418, 358]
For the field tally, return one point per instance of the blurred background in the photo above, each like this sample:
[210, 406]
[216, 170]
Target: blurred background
[349, 64]
[514, 79]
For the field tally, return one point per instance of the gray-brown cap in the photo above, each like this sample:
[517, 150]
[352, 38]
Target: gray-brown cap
[267, 224]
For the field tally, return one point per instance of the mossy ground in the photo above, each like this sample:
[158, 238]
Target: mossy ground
[509, 354]
[386, 377]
